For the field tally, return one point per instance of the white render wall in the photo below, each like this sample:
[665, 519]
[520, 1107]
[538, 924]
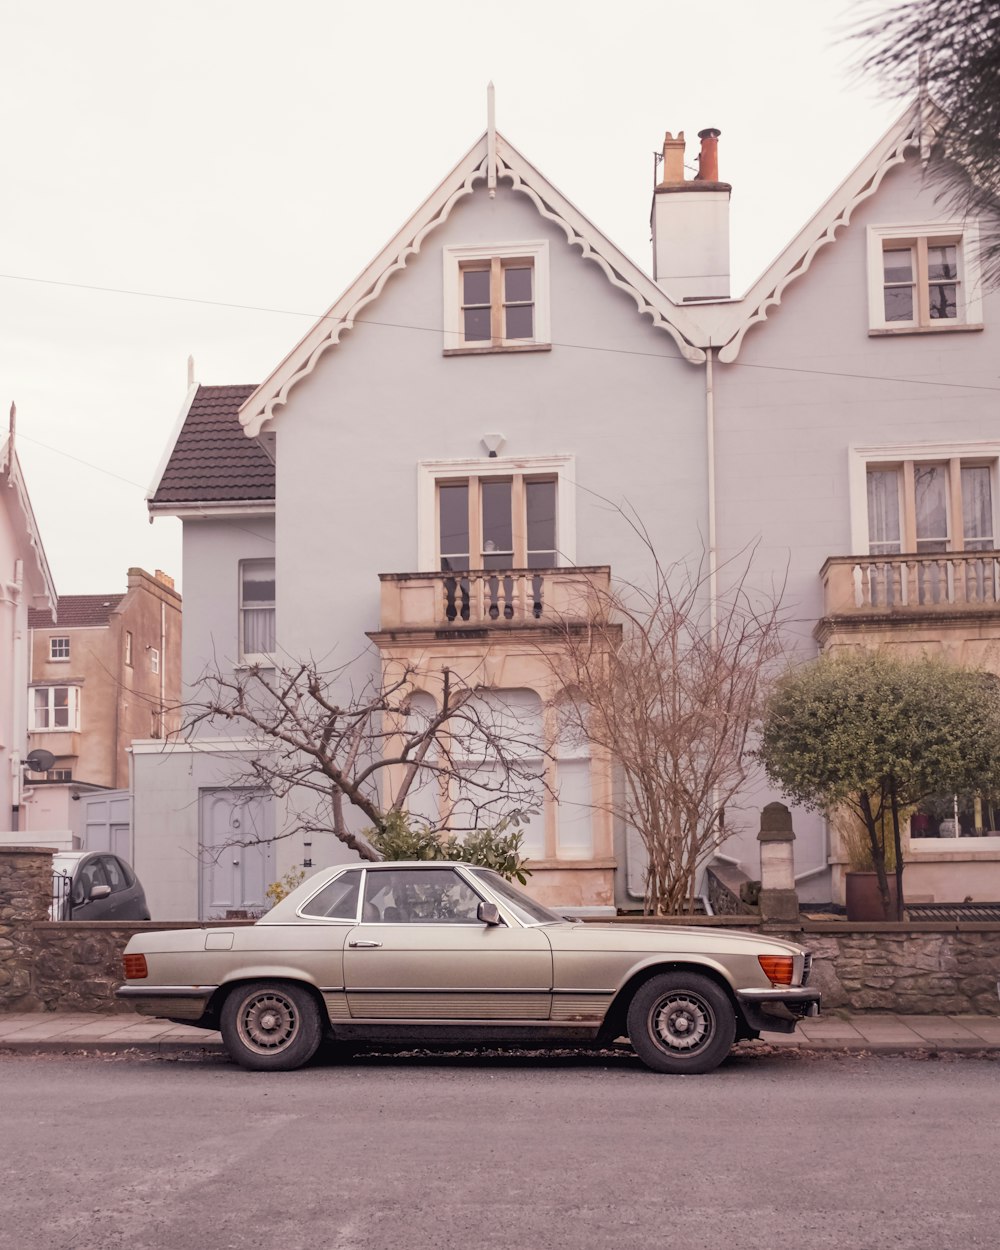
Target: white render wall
[615, 394]
[351, 437]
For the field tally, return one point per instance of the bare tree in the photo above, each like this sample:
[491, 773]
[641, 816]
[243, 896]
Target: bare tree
[325, 745]
[669, 680]
[949, 50]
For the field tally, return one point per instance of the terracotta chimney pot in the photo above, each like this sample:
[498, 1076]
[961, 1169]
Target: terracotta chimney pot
[708, 157]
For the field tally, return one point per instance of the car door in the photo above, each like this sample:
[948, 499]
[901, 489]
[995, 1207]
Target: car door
[420, 953]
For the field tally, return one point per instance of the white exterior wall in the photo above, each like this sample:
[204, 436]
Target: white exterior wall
[212, 553]
[352, 434]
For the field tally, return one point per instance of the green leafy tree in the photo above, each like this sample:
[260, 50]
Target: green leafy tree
[876, 733]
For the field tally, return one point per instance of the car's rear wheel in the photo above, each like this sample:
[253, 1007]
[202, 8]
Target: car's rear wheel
[681, 1022]
[271, 1026]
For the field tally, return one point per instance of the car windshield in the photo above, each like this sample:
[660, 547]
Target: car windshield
[526, 910]
[64, 864]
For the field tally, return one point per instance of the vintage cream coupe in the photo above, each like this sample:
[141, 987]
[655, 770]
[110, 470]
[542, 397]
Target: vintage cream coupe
[432, 954]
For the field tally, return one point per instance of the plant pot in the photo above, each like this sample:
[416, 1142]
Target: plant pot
[864, 902]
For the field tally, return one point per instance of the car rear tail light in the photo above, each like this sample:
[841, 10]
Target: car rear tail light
[777, 968]
[135, 967]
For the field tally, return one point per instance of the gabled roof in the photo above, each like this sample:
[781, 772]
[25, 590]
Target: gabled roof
[77, 612]
[37, 575]
[210, 460]
[915, 130]
[471, 172]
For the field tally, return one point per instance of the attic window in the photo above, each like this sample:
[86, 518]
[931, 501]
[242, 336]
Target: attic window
[923, 278]
[496, 299]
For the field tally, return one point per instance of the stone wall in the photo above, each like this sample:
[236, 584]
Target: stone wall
[949, 969]
[915, 968]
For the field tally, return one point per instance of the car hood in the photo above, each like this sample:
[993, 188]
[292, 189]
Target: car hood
[654, 938]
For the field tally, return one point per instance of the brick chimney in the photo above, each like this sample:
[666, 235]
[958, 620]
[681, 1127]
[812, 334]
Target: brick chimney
[690, 223]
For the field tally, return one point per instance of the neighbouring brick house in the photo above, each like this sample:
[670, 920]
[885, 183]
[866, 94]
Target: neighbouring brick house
[105, 673]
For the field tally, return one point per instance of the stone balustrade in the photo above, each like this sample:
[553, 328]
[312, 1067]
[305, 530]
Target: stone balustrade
[493, 598]
[941, 582]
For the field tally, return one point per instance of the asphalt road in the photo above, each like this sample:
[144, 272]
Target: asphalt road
[802, 1151]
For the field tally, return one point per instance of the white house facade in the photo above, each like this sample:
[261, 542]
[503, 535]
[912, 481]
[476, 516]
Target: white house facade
[497, 395]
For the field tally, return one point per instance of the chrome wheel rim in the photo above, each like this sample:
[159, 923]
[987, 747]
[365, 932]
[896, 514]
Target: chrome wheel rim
[681, 1023]
[268, 1023]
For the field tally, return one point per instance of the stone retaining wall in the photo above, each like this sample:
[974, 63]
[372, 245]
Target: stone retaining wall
[914, 969]
[949, 969]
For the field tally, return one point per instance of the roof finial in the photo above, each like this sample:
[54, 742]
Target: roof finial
[491, 141]
[190, 372]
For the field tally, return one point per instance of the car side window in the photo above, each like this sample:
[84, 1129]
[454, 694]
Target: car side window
[116, 878]
[338, 899]
[425, 896]
[90, 874]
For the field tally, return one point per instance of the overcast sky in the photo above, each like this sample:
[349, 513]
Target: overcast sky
[204, 178]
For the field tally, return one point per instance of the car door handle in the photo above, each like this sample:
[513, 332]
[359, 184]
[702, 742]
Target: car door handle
[367, 946]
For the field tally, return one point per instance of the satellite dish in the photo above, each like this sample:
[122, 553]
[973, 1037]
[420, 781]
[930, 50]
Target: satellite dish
[40, 760]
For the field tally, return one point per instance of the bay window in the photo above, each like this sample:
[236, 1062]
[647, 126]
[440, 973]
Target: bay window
[55, 708]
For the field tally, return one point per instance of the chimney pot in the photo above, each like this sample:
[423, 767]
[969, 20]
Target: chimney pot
[708, 157]
[673, 159]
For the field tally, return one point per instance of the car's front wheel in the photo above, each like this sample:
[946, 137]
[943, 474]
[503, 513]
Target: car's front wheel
[681, 1022]
[271, 1026]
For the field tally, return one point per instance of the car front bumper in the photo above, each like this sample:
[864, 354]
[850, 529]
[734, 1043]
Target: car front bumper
[778, 1009]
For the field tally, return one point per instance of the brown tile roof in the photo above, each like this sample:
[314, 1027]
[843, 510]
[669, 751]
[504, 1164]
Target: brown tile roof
[213, 461]
[76, 612]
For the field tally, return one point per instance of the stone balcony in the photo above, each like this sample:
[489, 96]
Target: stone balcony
[946, 597]
[454, 603]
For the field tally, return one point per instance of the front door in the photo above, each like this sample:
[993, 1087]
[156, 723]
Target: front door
[420, 953]
[236, 852]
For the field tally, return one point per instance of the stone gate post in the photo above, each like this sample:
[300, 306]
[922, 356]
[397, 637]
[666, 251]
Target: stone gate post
[779, 899]
[25, 895]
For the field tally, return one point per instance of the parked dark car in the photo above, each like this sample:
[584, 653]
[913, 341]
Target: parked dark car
[95, 885]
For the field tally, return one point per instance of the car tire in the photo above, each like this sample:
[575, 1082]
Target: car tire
[681, 1022]
[271, 1026]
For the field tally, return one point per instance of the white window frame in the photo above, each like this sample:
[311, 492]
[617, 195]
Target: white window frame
[965, 235]
[154, 660]
[73, 702]
[458, 258]
[53, 640]
[892, 455]
[129, 646]
[262, 658]
[430, 472]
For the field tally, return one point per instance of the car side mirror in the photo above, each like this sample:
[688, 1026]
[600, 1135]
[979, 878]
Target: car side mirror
[489, 914]
[98, 892]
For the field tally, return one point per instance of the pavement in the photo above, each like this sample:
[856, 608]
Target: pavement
[66, 1032]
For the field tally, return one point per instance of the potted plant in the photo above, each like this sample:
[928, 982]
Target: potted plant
[862, 895]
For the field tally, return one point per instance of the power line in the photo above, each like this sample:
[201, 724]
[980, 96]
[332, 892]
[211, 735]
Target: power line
[88, 464]
[587, 347]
